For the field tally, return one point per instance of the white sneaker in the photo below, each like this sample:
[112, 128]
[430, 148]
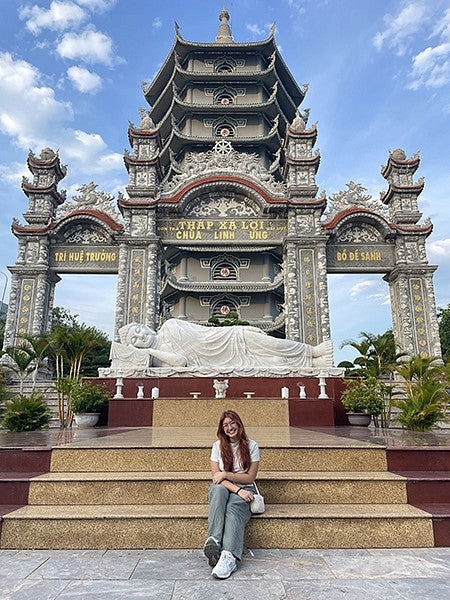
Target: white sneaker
[225, 566]
[211, 549]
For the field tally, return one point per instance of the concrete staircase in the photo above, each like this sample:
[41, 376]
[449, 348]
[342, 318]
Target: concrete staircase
[147, 488]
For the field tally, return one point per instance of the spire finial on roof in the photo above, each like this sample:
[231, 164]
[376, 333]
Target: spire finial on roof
[224, 34]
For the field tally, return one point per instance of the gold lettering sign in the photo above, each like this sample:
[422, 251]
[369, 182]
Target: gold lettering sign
[84, 258]
[196, 230]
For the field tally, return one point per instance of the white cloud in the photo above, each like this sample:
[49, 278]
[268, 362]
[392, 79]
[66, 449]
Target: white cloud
[400, 28]
[32, 116]
[83, 80]
[254, 29]
[157, 23]
[61, 15]
[362, 287]
[28, 111]
[439, 249]
[12, 174]
[370, 289]
[90, 151]
[97, 5]
[90, 46]
[431, 67]
[297, 6]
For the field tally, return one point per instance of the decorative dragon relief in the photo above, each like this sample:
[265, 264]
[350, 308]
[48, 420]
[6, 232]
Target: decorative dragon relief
[84, 234]
[222, 157]
[353, 197]
[356, 233]
[91, 199]
[221, 205]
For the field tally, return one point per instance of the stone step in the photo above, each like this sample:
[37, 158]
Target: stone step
[185, 526]
[184, 458]
[14, 487]
[175, 487]
[427, 486]
[205, 412]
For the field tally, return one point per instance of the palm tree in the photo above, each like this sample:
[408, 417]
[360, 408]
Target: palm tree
[69, 348]
[377, 358]
[22, 362]
[426, 397]
[39, 346]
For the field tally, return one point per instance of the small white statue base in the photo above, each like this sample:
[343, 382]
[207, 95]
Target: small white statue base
[181, 348]
[220, 388]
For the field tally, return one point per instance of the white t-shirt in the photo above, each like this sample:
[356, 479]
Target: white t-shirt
[237, 467]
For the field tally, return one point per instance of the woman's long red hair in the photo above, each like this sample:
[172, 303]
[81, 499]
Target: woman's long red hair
[226, 452]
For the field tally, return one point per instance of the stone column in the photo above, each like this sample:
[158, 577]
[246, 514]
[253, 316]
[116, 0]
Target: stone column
[414, 318]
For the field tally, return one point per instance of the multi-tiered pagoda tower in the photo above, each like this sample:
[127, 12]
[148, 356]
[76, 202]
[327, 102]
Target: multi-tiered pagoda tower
[222, 212]
[218, 122]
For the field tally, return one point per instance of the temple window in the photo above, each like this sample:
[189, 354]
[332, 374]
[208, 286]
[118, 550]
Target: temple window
[224, 64]
[222, 308]
[224, 129]
[224, 271]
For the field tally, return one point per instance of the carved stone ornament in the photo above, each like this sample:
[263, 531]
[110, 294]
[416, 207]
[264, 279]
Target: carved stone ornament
[358, 234]
[353, 197]
[84, 234]
[91, 199]
[221, 205]
[224, 158]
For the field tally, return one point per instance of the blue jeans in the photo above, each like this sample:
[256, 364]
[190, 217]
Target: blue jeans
[228, 515]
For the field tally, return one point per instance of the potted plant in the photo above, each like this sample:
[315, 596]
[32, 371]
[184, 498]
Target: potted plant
[363, 398]
[86, 401]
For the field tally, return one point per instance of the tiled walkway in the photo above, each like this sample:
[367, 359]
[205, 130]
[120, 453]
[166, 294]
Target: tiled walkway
[159, 436]
[263, 575]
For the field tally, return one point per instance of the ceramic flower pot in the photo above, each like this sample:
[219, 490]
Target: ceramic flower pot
[84, 420]
[361, 419]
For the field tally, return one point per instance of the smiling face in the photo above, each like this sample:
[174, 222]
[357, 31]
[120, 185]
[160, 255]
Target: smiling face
[231, 425]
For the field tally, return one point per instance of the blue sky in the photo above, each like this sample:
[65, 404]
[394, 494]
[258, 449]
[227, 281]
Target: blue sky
[378, 75]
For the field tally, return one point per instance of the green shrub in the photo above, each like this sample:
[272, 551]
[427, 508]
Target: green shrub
[88, 397]
[26, 413]
[364, 395]
[426, 398]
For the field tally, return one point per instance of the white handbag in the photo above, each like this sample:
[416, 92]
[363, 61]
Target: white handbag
[257, 505]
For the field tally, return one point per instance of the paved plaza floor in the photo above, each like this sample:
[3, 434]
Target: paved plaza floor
[263, 575]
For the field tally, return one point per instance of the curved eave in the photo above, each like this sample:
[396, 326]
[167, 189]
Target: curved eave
[219, 108]
[418, 229]
[19, 230]
[412, 165]
[181, 77]
[180, 110]
[220, 286]
[31, 190]
[243, 181]
[307, 161]
[272, 141]
[54, 163]
[134, 133]
[141, 202]
[348, 212]
[306, 134]
[154, 162]
[267, 47]
[396, 189]
[315, 202]
[95, 214]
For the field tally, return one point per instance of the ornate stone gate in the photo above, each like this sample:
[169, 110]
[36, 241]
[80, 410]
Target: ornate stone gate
[222, 214]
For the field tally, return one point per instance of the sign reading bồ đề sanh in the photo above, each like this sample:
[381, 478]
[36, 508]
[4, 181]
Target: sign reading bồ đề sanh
[222, 230]
[84, 258]
[359, 258]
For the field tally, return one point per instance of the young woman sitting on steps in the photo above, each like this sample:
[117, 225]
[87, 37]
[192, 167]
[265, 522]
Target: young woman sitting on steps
[234, 466]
